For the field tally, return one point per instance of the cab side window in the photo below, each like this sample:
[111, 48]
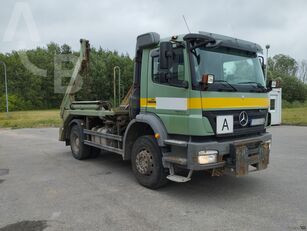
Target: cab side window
[176, 71]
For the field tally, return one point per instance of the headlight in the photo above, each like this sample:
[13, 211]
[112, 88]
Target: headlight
[207, 157]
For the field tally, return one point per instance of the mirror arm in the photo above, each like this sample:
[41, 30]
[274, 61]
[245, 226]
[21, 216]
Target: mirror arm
[182, 84]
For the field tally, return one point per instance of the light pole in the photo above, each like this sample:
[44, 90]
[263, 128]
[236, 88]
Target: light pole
[5, 82]
[267, 47]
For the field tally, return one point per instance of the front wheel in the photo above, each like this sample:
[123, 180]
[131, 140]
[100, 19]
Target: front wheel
[146, 159]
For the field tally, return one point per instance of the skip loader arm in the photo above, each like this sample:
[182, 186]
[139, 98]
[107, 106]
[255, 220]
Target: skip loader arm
[75, 83]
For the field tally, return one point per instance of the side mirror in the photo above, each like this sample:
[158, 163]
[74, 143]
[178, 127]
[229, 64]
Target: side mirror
[164, 77]
[166, 55]
[274, 84]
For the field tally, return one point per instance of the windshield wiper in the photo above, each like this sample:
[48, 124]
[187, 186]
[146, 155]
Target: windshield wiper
[224, 81]
[258, 85]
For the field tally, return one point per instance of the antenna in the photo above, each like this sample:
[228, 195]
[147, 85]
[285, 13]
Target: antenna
[186, 23]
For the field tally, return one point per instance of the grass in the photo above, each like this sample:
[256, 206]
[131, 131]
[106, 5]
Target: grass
[51, 118]
[294, 116]
[30, 119]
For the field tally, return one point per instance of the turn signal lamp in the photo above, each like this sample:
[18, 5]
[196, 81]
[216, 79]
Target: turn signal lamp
[207, 79]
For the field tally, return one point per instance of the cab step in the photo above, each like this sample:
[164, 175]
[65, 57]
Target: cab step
[178, 179]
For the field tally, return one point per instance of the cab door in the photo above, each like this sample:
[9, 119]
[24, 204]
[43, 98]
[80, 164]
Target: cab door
[168, 102]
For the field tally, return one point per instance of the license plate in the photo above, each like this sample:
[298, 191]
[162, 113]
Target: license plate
[224, 124]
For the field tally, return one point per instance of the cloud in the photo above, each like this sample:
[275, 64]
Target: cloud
[115, 24]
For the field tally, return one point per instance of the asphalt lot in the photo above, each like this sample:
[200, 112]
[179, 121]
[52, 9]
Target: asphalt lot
[43, 188]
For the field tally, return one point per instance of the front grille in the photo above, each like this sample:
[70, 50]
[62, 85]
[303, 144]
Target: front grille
[237, 128]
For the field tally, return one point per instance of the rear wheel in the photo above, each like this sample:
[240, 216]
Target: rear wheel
[79, 150]
[146, 159]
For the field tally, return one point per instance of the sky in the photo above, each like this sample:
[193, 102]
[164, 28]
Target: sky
[115, 24]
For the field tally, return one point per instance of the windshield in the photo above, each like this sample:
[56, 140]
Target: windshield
[233, 70]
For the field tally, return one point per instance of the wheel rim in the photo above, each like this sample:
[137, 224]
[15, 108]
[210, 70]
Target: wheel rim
[144, 162]
[75, 143]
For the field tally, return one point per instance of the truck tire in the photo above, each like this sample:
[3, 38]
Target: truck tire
[146, 159]
[79, 150]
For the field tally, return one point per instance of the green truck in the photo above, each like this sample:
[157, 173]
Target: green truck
[199, 102]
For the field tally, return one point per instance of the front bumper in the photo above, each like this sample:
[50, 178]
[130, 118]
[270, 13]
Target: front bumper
[235, 156]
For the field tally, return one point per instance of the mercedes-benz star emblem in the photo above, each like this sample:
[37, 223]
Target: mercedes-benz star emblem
[243, 118]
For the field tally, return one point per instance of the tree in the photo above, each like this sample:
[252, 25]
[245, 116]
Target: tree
[285, 68]
[28, 91]
[283, 65]
[302, 73]
[65, 49]
[293, 89]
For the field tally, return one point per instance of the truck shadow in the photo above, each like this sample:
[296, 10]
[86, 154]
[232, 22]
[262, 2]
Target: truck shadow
[201, 186]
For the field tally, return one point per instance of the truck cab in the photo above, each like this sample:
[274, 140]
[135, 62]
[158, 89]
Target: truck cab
[198, 102]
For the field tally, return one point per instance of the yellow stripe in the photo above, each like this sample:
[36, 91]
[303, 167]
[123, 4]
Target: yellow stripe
[216, 103]
[143, 102]
[148, 102]
[209, 103]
